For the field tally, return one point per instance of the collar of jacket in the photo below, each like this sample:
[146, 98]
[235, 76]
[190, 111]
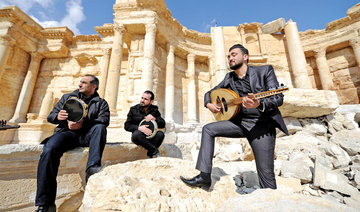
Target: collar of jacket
[94, 98]
[151, 107]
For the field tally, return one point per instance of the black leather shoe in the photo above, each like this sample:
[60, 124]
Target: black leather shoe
[156, 154]
[197, 181]
[51, 208]
[95, 169]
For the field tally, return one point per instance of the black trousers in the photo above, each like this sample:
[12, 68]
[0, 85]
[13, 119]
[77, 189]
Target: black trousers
[59, 143]
[260, 137]
[151, 145]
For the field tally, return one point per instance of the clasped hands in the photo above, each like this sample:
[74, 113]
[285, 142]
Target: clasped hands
[144, 128]
[63, 115]
[247, 102]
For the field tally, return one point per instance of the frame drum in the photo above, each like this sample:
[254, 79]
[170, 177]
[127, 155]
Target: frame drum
[152, 126]
[76, 108]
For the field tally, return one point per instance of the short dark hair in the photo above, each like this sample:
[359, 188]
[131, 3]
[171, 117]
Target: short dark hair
[242, 49]
[152, 96]
[94, 81]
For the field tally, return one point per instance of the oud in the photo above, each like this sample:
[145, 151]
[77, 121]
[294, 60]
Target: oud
[230, 101]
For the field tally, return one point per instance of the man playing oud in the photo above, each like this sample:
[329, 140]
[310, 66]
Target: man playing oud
[256, 120]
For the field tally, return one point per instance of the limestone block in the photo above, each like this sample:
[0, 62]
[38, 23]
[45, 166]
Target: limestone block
[33, 133]
[290, 185]
[273, 26]
[354, 12]
[333, 124]
[352, 203]
[286, 146]
[306, 103]
[339, 157]
[293, 125]
[330, 180]
[299, 169]
[349, 140]
[350, 112]
[6, 136]
[118, 134]
[314, 127]
[277, 200]
[147, 185]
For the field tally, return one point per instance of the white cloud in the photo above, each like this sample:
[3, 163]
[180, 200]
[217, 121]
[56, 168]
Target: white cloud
[209, 25]
[26, 5]
[74, 14]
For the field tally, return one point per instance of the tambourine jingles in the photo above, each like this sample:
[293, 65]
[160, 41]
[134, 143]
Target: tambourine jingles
[152, 126]
[76, 108]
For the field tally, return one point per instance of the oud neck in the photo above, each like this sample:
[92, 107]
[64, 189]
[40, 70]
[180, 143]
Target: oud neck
[264, 94]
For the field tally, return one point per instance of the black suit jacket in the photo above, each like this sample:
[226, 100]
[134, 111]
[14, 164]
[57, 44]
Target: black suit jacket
[262, 78]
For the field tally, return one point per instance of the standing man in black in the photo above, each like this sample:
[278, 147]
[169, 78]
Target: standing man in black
[91, 132]
[256, 120]
[145, 110]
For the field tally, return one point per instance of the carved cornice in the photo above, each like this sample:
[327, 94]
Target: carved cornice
[250, 26]
[87, 38]
[105, 30]
[161, 13]
[58, 33]
[203, 38]
[15, 15]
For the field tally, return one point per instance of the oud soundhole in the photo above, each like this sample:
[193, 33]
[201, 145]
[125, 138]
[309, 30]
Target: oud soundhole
[225, 104]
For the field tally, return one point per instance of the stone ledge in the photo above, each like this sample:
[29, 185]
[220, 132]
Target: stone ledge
[308, 103]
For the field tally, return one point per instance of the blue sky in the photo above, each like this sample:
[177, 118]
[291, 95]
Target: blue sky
[82, 15]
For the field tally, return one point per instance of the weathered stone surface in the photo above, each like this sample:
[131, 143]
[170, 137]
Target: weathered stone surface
[273, 26]
[328, 179]
[314, 127]
[304, 103]
[275, 200]
[339, 156]
[293, 125]
[299, 168]
[349, 140]
[153, 185]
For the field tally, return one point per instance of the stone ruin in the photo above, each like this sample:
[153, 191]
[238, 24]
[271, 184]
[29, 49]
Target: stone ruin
[146, 48]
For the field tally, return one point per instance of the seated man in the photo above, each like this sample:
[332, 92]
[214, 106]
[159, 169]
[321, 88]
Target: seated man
[145, 110]
[91, 132]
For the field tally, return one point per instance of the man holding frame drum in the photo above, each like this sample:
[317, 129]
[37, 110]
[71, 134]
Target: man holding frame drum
[88, 130]
[143, 120]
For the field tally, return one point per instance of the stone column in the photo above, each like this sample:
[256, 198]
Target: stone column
[104, 72]
[242, 33]
[5, 47]
[191, 89]
[148, 62]
[220, 56]
[261, 42]
[297, 56]
[27, 89]
[112, 82]
[355, 44]
[170, 83]
[46, 105]
[324, 71]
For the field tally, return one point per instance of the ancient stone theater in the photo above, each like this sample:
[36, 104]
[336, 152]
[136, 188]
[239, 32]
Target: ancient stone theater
[145, 48]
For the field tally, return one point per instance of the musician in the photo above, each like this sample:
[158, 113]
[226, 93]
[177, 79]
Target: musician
[145, 110]
[256, 120]
[90, 132]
